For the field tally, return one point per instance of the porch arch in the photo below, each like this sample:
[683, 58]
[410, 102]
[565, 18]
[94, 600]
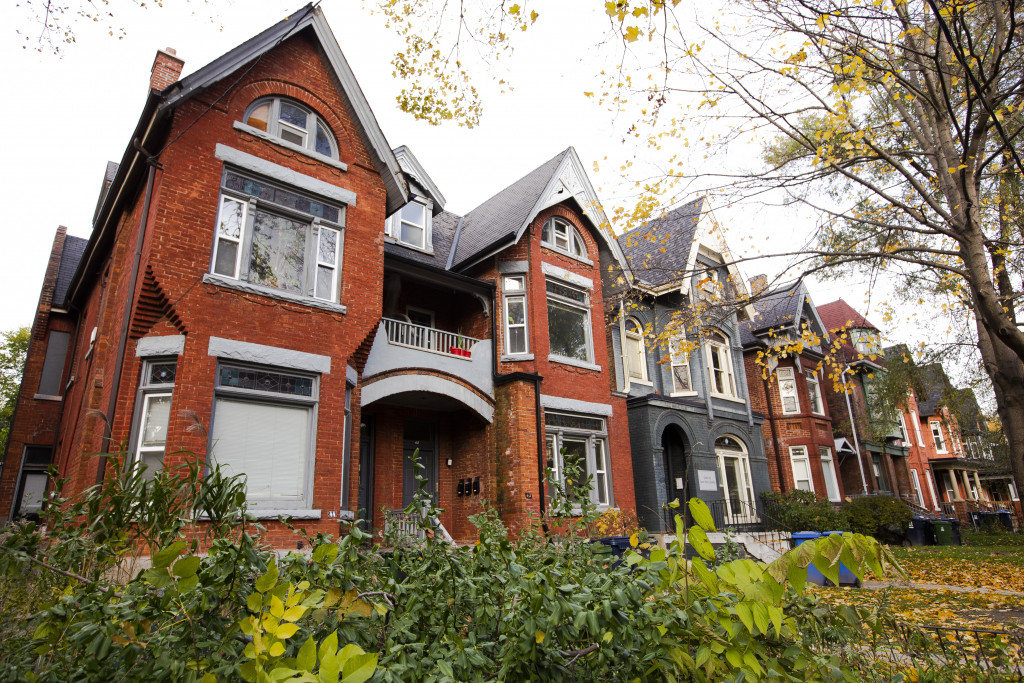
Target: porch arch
[405, 383]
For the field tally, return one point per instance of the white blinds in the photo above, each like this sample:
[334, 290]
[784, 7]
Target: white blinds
[268, 443]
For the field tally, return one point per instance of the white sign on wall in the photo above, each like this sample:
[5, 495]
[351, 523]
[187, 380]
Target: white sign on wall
[706, 480]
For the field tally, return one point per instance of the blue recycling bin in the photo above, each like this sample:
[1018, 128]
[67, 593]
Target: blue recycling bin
[846, 577]
[813, 575]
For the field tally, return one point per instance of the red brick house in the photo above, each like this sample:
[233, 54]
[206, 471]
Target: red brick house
[788, 390]
[245, 299]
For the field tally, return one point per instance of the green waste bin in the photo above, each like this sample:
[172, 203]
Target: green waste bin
[942, 531]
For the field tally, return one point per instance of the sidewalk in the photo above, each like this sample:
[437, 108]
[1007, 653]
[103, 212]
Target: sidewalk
[878, 585]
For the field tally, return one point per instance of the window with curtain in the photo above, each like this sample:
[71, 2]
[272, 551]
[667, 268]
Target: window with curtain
[156, 389]
[263, 427]
[634, 350]
[801, 465]
[787, 391]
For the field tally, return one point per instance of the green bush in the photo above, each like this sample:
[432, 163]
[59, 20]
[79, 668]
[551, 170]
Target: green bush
[541, 608]
[802, 511]
[884, 517]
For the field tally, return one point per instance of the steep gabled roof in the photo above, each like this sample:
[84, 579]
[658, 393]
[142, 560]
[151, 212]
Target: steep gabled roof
[659, 251]
[781, 308]
[424, 184]
[311, 17]
[74, 247]
[503, 219]
[936, 385]
[838, 315]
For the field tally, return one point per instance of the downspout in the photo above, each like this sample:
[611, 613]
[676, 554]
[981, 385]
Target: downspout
[853, 428]
[133, 279]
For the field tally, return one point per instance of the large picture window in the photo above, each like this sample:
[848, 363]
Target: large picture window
[581, 440]
[278, 239]
[156, 388]
[264, 427]
[568, 322]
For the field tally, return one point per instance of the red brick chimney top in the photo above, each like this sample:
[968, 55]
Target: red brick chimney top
[166, 69]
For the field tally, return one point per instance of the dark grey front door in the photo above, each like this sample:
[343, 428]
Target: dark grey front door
[366, 450]
[418, 436]
[674, 447]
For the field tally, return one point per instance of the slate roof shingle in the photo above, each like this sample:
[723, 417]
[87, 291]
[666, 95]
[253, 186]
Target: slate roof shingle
[775, 309]
[674, 232]
[442, 233]
[839, 314]
[70, 256]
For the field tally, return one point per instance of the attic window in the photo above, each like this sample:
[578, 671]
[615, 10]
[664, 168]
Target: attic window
[560, 236]
[411, 226]
[293, 123]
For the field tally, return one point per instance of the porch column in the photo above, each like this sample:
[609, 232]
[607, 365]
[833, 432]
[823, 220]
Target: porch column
[967, 485]
[977, 482]
[952, 480]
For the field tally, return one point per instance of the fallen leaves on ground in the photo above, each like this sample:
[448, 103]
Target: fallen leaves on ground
[999, 568]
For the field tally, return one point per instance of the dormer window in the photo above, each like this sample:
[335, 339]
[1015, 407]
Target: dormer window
[411, 225]
[293, 123]
[865, 341]
[557, 234]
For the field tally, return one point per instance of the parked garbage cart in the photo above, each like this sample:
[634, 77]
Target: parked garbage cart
[813, 575]
[955, 524]
[846, 577]
[919, 532]
[942, 530]
[1006, 517]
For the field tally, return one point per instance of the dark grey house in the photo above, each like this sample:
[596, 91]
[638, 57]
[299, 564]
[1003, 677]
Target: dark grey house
[676, 350]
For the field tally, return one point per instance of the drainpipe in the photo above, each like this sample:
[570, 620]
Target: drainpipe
[126, 322]
[853, 428]
[775, 434]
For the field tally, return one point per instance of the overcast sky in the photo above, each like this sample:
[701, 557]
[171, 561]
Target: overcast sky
[67, 116]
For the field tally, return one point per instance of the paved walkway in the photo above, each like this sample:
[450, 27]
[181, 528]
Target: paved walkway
[878, 585]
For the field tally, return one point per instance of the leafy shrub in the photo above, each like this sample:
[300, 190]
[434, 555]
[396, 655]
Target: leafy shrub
[615, 522]
[547, 608]
[802, 511]
[884, 517]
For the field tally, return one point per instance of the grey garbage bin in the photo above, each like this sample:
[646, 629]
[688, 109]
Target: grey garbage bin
[1006, 517]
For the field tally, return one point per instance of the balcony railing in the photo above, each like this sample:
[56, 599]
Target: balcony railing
[430, 339]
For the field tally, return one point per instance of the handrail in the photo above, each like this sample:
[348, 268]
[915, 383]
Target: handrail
[425, 338]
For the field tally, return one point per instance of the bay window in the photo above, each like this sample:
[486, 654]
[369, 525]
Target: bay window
[568, 322]
[264, 426]
[580, 440]
[277, 239]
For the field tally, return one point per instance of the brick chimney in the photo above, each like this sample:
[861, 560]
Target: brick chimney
[166, 69]
[758, 284]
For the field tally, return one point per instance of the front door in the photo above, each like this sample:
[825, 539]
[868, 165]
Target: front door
[674, 452]
[366, 449]
[418, 437]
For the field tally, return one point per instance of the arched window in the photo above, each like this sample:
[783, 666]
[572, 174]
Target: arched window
[560, 236]
[736, 484]
[292, 122]
[634, 352]
[720, 368]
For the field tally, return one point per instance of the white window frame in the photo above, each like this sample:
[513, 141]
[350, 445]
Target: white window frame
[566, 302]
[562, 236]
[829, 474]
[317, 229]
[709, 284]
[393, 225]
[916, 481]
[937, 436]
[814, 395]
[635, 352]
[151, 388]
[929, 476]
[596, 440]
[275, 124]
[513, 290]
[718, 347]
[905, 435]
[786, 380]
[746, 486]
[680, 359]
[798, 456]
[917, 427]
[222, 393]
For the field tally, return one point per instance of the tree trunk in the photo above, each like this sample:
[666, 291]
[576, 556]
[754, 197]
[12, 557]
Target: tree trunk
[1006, 371]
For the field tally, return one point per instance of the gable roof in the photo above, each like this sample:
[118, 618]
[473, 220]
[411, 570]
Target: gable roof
[412, 167]
[312, 17]
[503, 219]
[838, 315]
[659, 251]
[936, 385]
[780, 308]
[70, 256]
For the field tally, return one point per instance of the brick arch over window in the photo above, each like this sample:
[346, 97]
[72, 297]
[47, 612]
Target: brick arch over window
[246, 95]
[581, 224]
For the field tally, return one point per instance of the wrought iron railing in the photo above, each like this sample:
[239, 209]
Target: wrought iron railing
[430, 339]
[746, 520]
[401, 526]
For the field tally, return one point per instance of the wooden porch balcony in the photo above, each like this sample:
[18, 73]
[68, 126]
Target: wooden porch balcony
[401, 333]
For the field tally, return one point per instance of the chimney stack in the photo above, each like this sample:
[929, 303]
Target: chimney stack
[758, 284]
[166, 69]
